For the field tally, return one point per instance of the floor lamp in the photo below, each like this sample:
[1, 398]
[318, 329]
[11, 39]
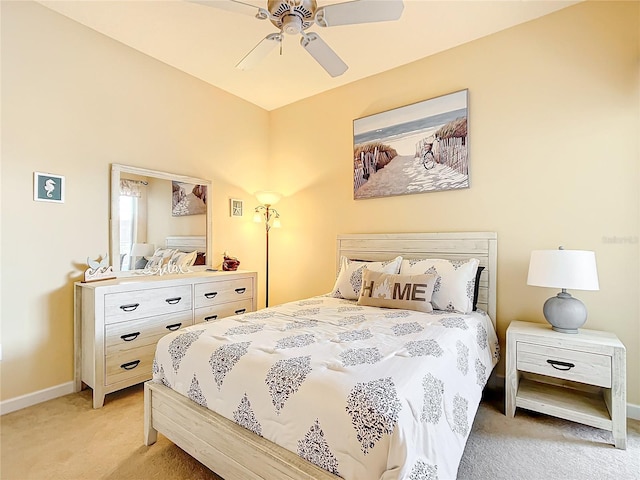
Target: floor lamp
[271, 218]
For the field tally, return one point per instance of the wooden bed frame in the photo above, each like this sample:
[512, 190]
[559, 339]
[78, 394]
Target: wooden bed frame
[234, 452]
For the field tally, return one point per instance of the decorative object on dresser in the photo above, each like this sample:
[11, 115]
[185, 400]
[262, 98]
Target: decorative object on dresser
[230, 264]
[98, 270]
[573, 269]
[417, 148]
[118, 322]
[580, 377]
[265, 212]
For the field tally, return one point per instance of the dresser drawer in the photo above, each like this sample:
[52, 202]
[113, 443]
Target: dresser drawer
[147, 331]
[216, 312]
[215, 293]
[128, 364]
[146, 303]
[573, 365]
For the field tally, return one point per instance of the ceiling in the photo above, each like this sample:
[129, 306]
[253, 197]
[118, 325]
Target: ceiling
[208, 42]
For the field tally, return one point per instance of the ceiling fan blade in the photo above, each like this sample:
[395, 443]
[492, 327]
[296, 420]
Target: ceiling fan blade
[235, 6]
[323, 54]
[359, 11]
[260, 51]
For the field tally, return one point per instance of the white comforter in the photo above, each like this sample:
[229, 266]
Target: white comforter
[363, 392]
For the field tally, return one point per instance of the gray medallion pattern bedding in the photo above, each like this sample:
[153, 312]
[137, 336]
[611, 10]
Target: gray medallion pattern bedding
[363, 392]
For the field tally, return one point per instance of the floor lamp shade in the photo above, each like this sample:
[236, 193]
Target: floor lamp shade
[564, 269]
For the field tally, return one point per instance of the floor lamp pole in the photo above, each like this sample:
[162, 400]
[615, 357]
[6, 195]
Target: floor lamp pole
[267, 267]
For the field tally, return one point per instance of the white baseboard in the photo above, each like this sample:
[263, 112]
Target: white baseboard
[24, 401]
[496, 381]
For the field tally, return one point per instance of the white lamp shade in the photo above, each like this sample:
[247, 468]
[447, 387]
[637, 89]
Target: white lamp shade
[569, 269]
[268, 198]
[142, 249]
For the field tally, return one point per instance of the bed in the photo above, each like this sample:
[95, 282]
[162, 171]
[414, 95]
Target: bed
[331, 387]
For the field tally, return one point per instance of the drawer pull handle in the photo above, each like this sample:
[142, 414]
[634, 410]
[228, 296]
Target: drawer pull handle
[130, 308]
[240, 291]
[173, 327]
[211, 317]
[130, 336]
[130, 365]
[173, 301]
[211, 294]
[558, 365]
[242, 310]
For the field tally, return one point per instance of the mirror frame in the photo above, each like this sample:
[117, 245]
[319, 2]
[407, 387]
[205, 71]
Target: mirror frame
[114, 213]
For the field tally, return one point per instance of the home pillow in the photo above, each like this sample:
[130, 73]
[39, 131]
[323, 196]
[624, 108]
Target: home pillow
[409, 292]
[349, 278]
[454, 288]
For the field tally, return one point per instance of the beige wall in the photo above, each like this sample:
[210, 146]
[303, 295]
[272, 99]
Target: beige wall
[554, 122]
[73, 102]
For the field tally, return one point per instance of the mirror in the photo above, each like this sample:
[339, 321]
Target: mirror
[152, 209]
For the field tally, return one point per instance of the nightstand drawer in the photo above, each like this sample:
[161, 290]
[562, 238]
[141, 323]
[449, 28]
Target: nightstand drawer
[584, 367]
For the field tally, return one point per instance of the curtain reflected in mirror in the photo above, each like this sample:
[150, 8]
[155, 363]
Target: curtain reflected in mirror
[134, 249]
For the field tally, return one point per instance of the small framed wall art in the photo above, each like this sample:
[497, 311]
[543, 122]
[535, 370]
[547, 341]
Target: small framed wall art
[236, 207]
[48, 187]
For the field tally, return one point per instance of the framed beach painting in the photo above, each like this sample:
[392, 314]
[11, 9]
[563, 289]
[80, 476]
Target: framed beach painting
[188, 199]
[418, 148]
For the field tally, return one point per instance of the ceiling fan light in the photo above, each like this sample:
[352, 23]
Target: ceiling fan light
[291, 24]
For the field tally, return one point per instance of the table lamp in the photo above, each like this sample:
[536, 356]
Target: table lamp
[564, 269]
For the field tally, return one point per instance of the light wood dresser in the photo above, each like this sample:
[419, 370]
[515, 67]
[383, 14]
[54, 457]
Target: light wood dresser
[579, 377]
[118, 322]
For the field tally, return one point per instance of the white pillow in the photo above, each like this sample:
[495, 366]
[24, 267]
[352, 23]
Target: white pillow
[349, 279]
[182, 260]
[453, 291]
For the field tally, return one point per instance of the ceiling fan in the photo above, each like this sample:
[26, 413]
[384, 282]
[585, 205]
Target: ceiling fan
[297, 16]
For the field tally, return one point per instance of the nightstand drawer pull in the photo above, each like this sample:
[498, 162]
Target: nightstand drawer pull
[173, 327]
[241, 311]
[240, 291]
[130, 336]
[210, 295]
[130, 308]
[130, 365]
[558, 365]
[173, 301]
[211, 317]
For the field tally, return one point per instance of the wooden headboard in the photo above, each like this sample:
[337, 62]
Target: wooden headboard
[453, 246]
[187, 243]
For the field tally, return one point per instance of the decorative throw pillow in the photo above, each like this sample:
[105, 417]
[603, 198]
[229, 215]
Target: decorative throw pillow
[349, 278]
[454, 288]
[409, 292]
[180, 261]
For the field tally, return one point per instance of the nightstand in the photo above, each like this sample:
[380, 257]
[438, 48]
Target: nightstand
[579, 377]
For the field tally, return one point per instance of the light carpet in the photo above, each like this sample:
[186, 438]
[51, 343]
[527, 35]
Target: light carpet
[66, 439]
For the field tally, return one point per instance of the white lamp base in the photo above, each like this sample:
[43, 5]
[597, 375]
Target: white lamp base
[565, 313]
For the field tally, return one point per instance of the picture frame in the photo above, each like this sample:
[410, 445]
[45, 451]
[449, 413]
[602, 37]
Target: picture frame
[48, 187]
[188, 199]
[418, 148]
[236, 207]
